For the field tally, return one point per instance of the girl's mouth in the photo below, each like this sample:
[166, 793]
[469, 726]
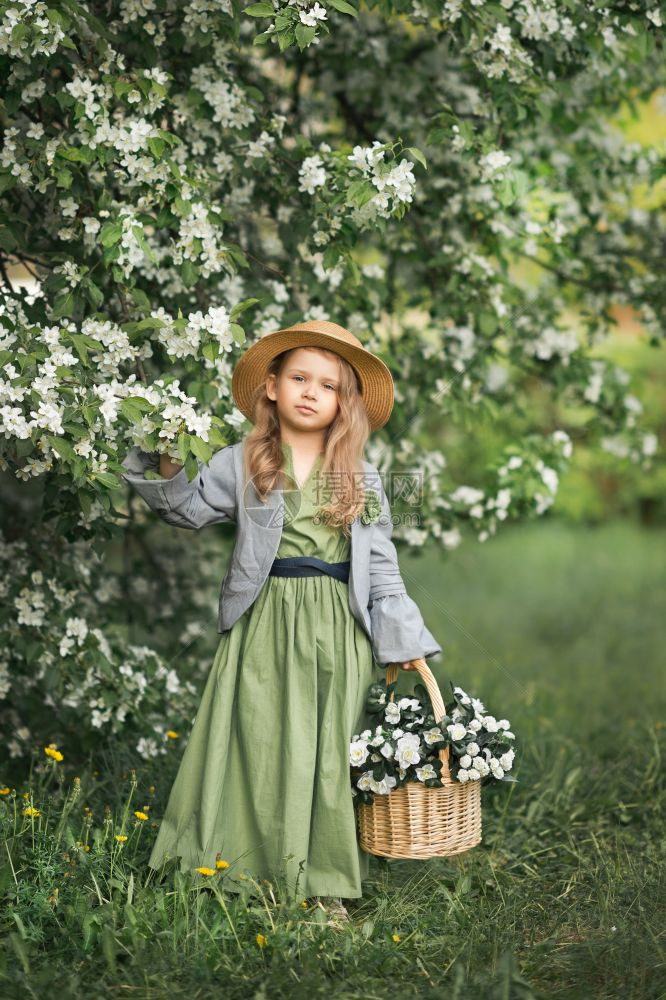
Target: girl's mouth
[306, 409]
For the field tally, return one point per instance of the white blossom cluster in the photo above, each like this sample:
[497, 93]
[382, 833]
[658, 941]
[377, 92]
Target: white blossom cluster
[406, 749]
[43, 35]
[484, 510]
[395, 182]
[54, 647]
[34, 400]
[474, 760]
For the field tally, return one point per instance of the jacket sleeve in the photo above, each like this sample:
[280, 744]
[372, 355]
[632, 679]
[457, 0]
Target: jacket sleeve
[210, 498]
[397, 627]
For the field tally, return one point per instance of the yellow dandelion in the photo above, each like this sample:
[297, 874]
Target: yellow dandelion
[121, 838]
[221, 864]
[305, 903]
[172, 735]
[140, 815]
[53, 752]
[31, 812]
[205, 871]
[396, 937]
[261, 940]
[4, 791]
[26, 795]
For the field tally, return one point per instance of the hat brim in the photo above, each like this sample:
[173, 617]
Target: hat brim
[375, 377]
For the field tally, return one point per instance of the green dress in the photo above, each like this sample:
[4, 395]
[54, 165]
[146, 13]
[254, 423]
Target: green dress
[265, 772]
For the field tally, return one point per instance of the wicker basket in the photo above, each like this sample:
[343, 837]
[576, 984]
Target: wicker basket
[418, 821]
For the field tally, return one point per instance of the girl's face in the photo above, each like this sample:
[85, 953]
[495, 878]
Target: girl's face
[309, 378]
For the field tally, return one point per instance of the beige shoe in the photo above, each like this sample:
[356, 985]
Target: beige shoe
[336, 909]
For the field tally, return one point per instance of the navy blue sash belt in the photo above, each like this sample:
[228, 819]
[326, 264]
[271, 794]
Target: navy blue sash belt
[309, 566]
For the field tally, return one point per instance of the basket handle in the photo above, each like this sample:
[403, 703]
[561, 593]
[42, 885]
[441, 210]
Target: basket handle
[432, 687]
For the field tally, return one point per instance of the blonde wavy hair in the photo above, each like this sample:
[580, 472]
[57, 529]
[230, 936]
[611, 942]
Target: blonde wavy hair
[343, 447]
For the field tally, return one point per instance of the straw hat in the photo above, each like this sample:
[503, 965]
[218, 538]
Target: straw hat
[375, 378]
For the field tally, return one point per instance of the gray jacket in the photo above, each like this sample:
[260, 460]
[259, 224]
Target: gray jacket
[377, 595]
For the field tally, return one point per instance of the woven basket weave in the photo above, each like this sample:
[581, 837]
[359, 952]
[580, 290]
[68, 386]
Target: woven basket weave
[418, 821]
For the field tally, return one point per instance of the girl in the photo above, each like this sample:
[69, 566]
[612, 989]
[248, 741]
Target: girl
[311, 604]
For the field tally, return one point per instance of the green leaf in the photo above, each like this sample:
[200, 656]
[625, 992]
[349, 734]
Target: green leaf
[488, 323]
[417, 154]
[201, 449]
[80, 345]
[64, 304]
[354, 270]
[140, 299]
[183, 446]
[106, 479]
[94, 294]
[259, 10]
[241, 307]
[148, 323]
[344, 7]
[506, 192]
[77, 154]
[141, 240]
[216, 438]
[64, 178]
[189, 272]
[8, 240]
[360, 192]
[264, 37]
[238, 333]
[211, 350]
[129, 410]
[331, 257]
[236, 253]
[7, 181]
[156, 147]
[304, 35]
[182, 207]
[285, 39]
[191, 467]
[85, 502]
[110, 233]
[61, 447]
[142, 404]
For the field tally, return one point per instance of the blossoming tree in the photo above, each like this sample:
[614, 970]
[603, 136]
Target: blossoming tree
[180, 178]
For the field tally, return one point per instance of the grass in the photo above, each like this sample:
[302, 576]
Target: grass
[555, 628]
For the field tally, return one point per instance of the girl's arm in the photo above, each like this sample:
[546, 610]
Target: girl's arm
[209, 499]
[398, 631]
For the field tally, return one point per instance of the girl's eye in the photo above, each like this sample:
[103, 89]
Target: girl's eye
[328, 386]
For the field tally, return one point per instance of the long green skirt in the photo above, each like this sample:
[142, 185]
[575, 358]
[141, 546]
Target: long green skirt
[264, 781]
